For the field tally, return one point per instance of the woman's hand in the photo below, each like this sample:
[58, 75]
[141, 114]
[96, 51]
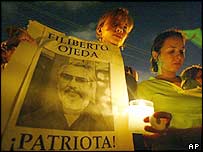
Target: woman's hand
[160, 121]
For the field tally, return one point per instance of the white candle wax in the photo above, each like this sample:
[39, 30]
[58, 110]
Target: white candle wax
[138, 110]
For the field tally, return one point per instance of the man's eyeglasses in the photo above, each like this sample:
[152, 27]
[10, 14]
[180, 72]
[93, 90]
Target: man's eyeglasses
[68, 77]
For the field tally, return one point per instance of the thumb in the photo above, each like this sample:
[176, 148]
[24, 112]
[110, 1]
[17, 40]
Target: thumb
[146, 119]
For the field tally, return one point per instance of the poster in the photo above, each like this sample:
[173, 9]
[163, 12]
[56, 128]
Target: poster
[70, 94]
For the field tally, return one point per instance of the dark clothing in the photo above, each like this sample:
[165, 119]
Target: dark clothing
[181, 139]
[56, 120]
[131, 86]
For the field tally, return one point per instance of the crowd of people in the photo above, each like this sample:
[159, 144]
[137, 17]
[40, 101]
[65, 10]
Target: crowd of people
[172, 94]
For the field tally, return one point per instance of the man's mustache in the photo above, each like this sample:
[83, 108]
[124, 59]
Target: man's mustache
[72, 89]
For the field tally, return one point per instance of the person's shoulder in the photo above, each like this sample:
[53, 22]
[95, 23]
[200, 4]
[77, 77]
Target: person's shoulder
[148, 81]
[145, 89]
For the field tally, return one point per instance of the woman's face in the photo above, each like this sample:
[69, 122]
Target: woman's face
[172, 54]
[115, 30]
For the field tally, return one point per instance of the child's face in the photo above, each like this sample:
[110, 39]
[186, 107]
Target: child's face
[115, 30]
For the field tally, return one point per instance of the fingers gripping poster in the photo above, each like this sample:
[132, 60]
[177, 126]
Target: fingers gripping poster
[70, 94]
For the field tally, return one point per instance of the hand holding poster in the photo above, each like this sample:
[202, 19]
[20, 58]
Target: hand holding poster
[73, 96]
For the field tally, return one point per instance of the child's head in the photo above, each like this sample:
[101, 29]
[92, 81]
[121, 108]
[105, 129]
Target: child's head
[114, 26]
[192, 74]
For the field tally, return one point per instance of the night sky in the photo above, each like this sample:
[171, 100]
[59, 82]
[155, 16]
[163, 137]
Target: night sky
[80, 18]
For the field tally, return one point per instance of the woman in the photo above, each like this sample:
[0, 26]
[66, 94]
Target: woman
[164, 90]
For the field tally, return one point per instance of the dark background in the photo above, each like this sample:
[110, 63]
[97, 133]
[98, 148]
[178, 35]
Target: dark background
[80, 18]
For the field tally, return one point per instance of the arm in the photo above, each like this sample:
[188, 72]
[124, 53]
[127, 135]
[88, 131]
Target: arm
[170, 138]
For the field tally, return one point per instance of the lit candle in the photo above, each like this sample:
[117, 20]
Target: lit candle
[138, 110]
